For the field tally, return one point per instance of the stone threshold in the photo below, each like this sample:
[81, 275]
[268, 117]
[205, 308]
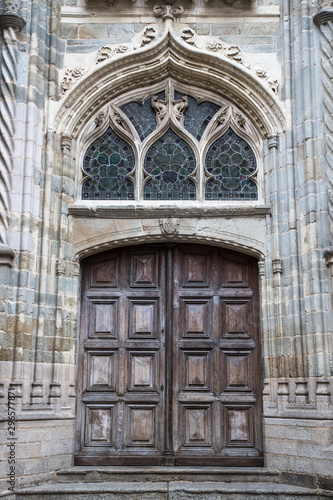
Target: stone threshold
[92, 474]
[170, 491]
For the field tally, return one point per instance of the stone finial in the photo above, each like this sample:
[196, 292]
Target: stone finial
[11, 15]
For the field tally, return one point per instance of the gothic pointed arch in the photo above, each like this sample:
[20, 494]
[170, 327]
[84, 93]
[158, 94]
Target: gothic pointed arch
[169, 56]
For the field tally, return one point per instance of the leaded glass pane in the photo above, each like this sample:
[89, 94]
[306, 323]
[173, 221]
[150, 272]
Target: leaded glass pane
[170, 161]
[108, 160]
[197, 116]
[142, 116]
[231, 161]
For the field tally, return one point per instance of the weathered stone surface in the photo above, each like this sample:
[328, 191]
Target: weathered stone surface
[165, 474]
[171, 491]
[275, 49]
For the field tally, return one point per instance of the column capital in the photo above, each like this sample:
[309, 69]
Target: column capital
[12, 21]
[323, 16]
[11, 15]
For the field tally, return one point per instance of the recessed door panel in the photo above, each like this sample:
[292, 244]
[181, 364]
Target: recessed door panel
[103, 318]
[141, 426]
[98, 430]
[101, 370]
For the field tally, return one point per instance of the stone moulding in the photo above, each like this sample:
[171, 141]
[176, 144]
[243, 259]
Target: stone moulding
[131, 236]
[150, 212]
[169, 56]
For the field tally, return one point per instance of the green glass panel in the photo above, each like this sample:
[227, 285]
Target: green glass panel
[170, 161]
[108, 160]
[197, 116]
[231, 161]
[142, 116]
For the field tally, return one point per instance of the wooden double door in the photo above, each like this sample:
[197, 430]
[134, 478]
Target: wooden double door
[169, 358]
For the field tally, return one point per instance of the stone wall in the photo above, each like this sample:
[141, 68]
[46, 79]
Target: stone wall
[277, 46]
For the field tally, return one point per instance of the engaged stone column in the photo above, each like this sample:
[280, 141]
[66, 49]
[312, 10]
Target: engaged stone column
[10, 23]
[324, 20]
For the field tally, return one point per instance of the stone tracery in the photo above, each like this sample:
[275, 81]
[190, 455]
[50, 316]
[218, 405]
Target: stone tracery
[170, 131]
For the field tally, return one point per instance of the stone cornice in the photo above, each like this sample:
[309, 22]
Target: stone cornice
[167, 212]
[323, 16]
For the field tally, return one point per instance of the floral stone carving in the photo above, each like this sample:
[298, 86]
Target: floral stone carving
[72, 75]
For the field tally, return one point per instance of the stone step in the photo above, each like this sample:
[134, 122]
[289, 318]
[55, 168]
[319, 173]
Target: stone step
[88, 474]
[170, 491]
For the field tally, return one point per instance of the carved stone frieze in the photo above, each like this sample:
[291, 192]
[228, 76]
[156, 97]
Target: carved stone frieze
[72, 75]
[149, 35]
[235, 53]
[224, 74]
[188, 35]
[214, 46]
[107, 52]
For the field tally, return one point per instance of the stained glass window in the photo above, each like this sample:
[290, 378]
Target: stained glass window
[108, 160]
[231, 161]
[197, 116]
[169, 162]
[142, 116]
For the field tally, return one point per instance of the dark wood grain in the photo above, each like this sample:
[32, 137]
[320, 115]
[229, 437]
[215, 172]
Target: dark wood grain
[169, 358]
